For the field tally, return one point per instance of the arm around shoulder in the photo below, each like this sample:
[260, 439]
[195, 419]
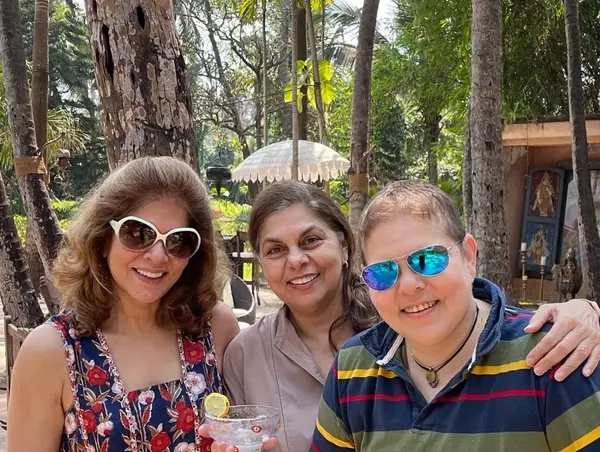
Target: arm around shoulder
[35, 412]
[225, 327]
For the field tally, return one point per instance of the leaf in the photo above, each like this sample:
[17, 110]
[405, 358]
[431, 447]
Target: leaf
[146, 414]
[325, 70]
[310, 92]
[327, 92]
[248, 11]
[89, 395]
[287, 92]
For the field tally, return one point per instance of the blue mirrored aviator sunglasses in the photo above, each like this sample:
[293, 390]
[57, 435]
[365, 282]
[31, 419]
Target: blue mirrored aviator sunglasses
[429, 261]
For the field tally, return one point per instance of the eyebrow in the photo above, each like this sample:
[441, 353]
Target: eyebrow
[304, 232]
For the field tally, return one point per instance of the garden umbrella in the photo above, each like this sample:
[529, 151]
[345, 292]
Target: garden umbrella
[273, 162]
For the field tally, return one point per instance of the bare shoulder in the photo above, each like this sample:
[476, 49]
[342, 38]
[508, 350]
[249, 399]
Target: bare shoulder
[42, 349]
[223, 319]
[224, 327]
[43, 342]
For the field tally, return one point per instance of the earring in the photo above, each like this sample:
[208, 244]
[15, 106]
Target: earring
[345, 264]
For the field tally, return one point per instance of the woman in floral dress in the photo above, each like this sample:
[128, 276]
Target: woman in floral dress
[126, 365]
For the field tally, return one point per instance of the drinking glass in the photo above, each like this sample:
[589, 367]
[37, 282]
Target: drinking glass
[245, 427]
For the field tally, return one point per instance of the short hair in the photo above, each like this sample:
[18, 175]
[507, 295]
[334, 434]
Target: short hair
[81, 272]
[414, 198]
[357, 305]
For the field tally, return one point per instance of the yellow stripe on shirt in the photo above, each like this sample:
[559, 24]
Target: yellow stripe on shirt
[332, 439]
[584, 441]
[364, 373]
[503, 368]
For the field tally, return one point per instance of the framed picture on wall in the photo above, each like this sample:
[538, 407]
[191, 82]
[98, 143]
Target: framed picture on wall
[541, 219]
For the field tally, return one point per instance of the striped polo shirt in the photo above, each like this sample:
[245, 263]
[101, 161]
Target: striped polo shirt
[495, 403]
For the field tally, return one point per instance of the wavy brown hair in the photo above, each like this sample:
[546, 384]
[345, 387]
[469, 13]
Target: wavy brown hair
[81, 273]
[356, 302]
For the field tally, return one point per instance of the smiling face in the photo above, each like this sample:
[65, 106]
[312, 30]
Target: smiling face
[426, 310]
[143, 277]
[302, 259]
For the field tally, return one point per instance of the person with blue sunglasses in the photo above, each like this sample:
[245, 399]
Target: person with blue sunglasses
[446, 369]
[308, 255]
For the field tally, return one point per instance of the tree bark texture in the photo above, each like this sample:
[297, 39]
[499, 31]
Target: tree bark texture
[39, 105]
[467, 187]
[140, 75]
[46, 229]
[18, 296]
[39, 80]
[489, 217]
[361, 102]
[589, 240]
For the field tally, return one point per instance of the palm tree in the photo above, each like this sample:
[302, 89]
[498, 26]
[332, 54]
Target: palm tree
[361, 104]
[589, 239]
[28, 159]
[488, 215]
[135, 118]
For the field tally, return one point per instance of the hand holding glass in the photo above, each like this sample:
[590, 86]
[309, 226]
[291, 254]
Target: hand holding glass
[246, 427]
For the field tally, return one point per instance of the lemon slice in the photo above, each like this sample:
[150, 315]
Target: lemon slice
[216, 404]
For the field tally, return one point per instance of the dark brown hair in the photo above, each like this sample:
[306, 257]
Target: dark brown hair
[357, 306]
[414, 198]
[81, 273]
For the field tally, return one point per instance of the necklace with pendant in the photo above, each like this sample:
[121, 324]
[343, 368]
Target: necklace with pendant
[431, 375]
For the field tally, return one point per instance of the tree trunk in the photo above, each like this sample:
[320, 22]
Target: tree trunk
[312, 39]
[140, 75]
[39, 80]
[489, 218]
[433, 133]
[39, 105]
[265, 51]
[361, 101]
[295, 115]
[28, 160]
[589, 239]
[18, 296]
[468, 178]
[301, 54]
[284, 67]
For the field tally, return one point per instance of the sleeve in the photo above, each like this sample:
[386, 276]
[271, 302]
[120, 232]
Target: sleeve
[573, 413]
[233, 373]
[331, 432]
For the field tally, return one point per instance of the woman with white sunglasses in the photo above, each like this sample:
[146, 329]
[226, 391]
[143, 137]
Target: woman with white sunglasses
[306, 250]
[128, 362]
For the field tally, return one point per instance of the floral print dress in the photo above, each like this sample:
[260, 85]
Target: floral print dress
[161, 418]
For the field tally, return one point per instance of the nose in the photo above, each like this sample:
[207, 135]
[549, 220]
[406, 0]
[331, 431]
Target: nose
[296, 257]
[157, 252]
[408, 281]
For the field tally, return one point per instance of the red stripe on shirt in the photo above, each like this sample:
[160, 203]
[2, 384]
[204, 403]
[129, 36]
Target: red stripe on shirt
[495, 395]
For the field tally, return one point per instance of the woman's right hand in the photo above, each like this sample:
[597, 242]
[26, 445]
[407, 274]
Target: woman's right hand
[268, 446]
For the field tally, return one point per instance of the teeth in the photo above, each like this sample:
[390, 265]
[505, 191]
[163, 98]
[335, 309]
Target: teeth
[304, 279]
[150, 274]
[419, 308]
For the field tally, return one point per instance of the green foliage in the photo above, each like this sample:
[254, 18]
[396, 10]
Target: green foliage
[306, 80]
[65, 210]
[229, 216]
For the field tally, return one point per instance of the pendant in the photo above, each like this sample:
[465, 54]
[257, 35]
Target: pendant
[432, 378]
